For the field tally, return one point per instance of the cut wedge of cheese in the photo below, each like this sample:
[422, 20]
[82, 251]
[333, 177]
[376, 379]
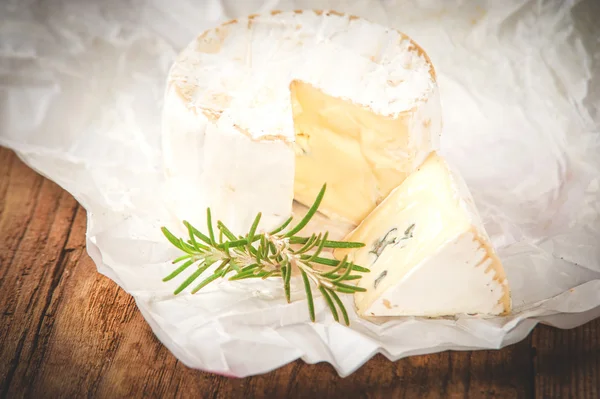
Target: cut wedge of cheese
[428, 251]
[270, 107]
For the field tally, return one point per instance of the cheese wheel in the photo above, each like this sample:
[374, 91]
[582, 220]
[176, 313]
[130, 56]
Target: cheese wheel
[264, 109]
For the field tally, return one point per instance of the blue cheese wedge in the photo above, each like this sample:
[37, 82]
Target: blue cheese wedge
[428, 251]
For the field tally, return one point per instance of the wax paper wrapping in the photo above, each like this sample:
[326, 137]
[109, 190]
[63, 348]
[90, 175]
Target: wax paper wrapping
[81, 86]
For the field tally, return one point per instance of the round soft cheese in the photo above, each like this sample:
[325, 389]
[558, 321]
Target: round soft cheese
[266, 109]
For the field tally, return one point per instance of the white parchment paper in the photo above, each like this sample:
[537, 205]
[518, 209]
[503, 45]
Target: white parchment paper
[81, 85]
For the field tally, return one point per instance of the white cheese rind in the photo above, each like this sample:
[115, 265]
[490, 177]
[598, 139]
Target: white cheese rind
[428, 252]
[456, 279]
[241, 71]
[256, 176]
[182, 138]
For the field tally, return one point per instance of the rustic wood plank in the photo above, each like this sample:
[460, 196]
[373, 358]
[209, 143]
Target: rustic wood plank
[449, 374]
[67, 331]
[567, 362]
[32, 266]
[6, 164]
[16, 204]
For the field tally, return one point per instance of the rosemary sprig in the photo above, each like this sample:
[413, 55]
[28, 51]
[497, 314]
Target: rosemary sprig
[268, 254]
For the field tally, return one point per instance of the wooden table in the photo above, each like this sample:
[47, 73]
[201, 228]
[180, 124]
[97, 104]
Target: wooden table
[67, 331]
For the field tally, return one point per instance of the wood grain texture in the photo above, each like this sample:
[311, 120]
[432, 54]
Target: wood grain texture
[567, 362]
[67, 331]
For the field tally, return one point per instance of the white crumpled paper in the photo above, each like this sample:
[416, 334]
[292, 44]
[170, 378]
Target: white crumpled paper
[81, 87]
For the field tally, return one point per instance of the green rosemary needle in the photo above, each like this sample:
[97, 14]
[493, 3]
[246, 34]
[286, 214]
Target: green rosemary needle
[269, 254]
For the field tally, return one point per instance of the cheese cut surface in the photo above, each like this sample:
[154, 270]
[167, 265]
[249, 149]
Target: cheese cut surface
[266, 108]
[361, 155]
[428, 252]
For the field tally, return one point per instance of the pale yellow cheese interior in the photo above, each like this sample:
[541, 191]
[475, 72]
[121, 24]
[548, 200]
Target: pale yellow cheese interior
[361, 156]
